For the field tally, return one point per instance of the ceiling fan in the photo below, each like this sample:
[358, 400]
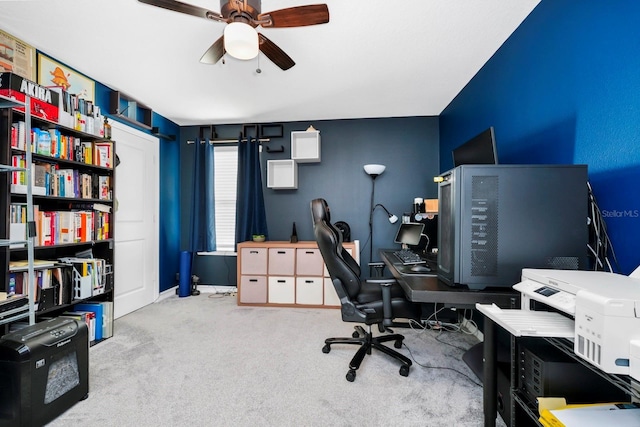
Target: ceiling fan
[248, 12]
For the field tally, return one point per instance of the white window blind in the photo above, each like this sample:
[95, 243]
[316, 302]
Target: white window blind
[225, 179]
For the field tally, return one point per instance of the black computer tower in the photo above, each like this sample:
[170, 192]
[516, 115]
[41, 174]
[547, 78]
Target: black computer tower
[44, 370]
[495, 220]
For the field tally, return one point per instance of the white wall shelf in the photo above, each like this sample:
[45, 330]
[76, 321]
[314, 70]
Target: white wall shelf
[305, 146]
[282, 174]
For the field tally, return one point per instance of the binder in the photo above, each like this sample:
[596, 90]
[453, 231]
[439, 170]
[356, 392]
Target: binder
[88, 276]
[86, 316]
[98, 309]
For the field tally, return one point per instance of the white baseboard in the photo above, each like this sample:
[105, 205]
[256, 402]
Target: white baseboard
[167, 293]
[205, 289]
[217, 289]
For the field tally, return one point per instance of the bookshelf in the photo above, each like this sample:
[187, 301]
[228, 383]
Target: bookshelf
[130, 110]
[59, 186]
[14, 308]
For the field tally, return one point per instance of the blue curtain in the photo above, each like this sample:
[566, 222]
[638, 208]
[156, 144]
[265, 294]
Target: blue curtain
[203, 229]
[250, 213]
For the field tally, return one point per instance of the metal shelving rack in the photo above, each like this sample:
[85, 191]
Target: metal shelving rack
[19, 313]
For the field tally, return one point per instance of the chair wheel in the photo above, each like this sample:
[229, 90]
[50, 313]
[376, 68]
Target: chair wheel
[397, 344]
[351, 375]
[355, 334]
[404, 370]
[326, 349]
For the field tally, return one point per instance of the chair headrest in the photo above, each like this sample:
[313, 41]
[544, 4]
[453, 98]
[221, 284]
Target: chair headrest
[320, 211]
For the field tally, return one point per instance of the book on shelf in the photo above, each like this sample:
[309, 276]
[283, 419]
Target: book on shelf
[19, 135]
[87, 223]
[87, 152]
[619, 414]
[108, 317]
[67, 223]
[98, 310]
[42, 141]
[19, 178]
[39, 175]
[89, 318]
[17, 233]
[89, 275]
[37, 263]
[104, 183]
[53, 284]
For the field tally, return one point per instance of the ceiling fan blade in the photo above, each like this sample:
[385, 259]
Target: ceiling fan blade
[189, 9]
[275, 54]
[299, 16]
[214, 53]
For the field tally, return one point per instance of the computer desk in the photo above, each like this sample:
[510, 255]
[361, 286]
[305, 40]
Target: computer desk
[426, 288]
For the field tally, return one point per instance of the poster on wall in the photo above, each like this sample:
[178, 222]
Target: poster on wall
[52, 73]
[17, 57]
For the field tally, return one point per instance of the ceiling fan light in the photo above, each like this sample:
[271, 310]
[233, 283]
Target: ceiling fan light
[241, 40]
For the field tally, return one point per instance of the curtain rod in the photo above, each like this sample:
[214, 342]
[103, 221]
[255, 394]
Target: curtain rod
[227, 141]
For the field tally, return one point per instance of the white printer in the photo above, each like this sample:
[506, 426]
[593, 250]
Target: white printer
[605, 307]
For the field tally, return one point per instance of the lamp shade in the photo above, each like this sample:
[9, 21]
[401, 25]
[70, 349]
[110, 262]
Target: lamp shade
[241, 40]
[374, 170]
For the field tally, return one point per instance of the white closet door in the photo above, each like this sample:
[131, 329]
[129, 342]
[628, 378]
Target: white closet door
[136, 219]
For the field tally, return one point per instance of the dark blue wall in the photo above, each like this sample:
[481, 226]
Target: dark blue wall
[407, 146]
[565, 88]
[169, 181]
[169, 233]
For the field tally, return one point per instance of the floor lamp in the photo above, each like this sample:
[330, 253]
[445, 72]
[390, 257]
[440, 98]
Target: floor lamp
[374, 170]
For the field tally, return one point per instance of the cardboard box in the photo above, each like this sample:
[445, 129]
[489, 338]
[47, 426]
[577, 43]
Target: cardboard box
[44, 101]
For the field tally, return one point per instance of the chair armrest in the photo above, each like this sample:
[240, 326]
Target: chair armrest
[385, 284]
[378, 266]
[383, 281]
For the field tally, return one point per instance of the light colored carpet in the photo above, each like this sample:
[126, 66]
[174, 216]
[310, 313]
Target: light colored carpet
[204, 361]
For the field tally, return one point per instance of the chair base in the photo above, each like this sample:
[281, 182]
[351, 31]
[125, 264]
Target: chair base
[367, 341]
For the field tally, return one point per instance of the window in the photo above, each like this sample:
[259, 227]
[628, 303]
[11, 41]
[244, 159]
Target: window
[225, 179]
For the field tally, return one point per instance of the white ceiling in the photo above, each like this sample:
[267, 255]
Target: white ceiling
[373, 59]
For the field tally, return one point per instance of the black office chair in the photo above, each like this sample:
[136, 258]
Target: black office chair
[371, 302]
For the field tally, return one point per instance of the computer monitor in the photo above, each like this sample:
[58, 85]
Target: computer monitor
[479, 150]
[409, 233]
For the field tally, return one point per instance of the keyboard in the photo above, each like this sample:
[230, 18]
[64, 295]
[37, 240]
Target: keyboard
[408, 257]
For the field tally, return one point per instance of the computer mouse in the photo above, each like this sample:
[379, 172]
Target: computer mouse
[420, 268]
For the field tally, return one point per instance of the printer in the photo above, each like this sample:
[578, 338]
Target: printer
[605, 308]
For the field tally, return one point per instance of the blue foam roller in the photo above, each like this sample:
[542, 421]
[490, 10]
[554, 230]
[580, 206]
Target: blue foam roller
[184, 288]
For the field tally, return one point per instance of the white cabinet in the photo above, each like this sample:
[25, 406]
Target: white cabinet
[254, 289]
[305, 146]
[330, 295]
[252, 264]
[285, 274]
[282, 261]
[309, 290]
[281, 290]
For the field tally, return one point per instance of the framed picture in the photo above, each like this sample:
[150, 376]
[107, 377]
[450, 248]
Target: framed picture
[52, 73]
[17, 57]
